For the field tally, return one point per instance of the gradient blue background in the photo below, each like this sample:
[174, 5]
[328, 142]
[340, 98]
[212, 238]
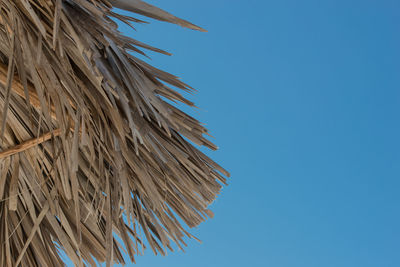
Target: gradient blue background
[303, 99]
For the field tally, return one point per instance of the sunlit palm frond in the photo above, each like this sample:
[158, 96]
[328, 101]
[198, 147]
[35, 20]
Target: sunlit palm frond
[89, 148]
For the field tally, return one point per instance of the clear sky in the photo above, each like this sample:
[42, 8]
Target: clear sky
[303, 99]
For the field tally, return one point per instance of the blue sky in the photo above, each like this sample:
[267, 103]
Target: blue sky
[303, 99]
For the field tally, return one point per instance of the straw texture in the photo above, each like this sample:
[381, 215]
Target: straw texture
[90, 149]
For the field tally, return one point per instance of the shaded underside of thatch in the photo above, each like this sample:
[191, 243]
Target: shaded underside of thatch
[90, 148]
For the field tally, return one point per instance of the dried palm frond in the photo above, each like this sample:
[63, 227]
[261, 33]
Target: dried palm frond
[90, 148]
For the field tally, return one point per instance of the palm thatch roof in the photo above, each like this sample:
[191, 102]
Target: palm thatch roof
[90, 148]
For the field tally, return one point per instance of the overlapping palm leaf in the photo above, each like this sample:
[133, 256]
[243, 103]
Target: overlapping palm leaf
[90, 149]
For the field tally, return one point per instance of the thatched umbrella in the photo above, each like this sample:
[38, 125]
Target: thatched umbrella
[90, 148]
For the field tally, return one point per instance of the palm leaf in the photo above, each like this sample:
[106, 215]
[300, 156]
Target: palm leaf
[90, 147]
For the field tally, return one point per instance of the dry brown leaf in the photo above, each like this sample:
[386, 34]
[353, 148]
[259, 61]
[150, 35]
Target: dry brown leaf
[90, 148]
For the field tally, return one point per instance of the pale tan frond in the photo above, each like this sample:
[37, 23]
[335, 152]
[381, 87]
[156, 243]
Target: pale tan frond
[90, 150]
